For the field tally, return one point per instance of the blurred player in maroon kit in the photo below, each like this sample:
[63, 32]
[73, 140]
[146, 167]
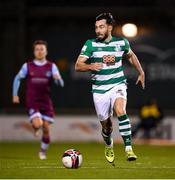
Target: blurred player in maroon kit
[39, 74]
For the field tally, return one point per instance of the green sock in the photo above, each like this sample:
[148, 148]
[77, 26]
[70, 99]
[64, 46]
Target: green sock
[125, 129]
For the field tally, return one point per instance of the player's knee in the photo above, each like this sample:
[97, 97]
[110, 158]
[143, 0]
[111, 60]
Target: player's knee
[37, 123]
[120, 111]
[36, 126]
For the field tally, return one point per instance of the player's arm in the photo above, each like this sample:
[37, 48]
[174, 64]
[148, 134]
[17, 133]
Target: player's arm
[85, 54]
[81, 65]
[16, 83]
[130, 55]
[57, 76]
[135, 62]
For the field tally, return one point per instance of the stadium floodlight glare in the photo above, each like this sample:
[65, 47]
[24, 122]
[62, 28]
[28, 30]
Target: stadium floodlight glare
[129, 30]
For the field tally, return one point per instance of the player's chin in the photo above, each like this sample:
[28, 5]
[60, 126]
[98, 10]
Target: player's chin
[40, 57]
[100, 38]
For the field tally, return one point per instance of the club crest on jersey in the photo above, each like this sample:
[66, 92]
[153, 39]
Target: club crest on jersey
[48, 73]
[117, 48]
[109, 60]
[32, 73]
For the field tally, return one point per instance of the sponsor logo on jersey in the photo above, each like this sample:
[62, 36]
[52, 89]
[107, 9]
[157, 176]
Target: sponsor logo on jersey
[109, 60]
[37, 80]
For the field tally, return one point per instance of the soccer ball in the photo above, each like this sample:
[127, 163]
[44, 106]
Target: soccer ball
[72, 159]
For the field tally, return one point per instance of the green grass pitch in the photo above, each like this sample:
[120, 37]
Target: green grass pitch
[20, 160]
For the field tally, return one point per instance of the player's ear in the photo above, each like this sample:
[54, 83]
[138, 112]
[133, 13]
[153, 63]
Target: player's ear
[110, 28]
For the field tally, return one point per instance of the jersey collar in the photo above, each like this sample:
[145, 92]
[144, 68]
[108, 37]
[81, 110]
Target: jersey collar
[39, 63]
[105, 41]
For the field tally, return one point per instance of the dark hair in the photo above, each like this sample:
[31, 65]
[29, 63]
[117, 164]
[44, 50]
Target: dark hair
[40, 42]
[107, 16]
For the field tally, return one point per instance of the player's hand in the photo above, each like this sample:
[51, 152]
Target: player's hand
[96, 66]
[141, 79]
[61, 82]
[16, 100]
[58, 80]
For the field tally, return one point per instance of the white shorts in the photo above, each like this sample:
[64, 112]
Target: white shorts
[104, 103]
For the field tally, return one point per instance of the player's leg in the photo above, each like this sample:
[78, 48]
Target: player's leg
[107, 132]
[124, 122]
[36, 121]
[124, 126]
[45, 141]
[107, 137]
[47, 116]
[102, 106]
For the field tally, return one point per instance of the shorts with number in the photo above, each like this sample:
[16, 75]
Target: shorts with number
[104, 103]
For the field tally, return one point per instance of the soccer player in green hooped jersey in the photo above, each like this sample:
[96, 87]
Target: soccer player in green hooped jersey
[105, 54]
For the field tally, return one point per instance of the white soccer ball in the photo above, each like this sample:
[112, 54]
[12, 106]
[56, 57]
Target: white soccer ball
[72, 159]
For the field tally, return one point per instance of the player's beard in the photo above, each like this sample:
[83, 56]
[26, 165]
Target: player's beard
[102, 37]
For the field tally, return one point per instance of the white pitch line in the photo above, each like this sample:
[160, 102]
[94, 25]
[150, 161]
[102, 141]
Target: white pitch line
[147, 167]
[54, 167]
[85, 167]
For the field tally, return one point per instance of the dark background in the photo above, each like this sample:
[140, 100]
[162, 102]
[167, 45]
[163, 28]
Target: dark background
[66, 25]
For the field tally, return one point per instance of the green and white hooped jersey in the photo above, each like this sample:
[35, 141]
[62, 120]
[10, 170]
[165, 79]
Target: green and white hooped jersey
[110, 54]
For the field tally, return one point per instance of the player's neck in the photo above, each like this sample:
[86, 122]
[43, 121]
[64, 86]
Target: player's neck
[40, 61]
[108, 39]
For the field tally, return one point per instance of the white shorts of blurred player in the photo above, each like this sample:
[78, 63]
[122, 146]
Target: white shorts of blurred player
[104, 103]
[41, 116]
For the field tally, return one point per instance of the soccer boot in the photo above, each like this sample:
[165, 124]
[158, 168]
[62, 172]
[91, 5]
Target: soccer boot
[130, 155]
[109, 154]
[42, 155]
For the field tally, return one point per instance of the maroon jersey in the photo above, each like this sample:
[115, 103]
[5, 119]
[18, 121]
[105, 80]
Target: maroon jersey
[39, 80]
